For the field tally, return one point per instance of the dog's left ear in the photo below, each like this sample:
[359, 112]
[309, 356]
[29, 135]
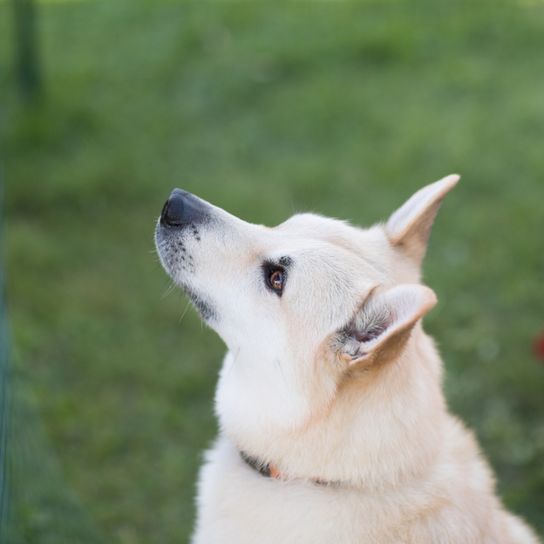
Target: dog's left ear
[382, 325]
[410, 226]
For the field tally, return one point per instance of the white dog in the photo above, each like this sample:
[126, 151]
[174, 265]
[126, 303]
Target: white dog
[334, 428]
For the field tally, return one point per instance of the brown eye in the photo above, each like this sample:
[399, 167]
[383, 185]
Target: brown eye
[276, 280]
[275, 277]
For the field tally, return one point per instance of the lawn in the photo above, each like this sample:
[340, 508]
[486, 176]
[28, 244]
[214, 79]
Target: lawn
[263, 109]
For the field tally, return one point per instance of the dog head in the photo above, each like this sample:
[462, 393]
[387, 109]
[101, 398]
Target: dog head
[301, 306]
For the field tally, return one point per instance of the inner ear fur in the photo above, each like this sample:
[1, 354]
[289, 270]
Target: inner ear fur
[381, 327]
[409, 227]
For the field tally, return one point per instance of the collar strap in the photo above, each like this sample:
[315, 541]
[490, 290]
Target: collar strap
[268, 470]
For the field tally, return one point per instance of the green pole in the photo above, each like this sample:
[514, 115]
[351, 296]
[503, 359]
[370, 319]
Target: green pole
[27, 64]
[4, 398]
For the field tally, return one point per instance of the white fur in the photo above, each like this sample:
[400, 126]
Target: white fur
[366, 416]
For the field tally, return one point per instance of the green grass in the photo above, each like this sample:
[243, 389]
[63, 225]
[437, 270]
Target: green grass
[263, 109]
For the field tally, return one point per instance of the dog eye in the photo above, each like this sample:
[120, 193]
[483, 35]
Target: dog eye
[275, 279]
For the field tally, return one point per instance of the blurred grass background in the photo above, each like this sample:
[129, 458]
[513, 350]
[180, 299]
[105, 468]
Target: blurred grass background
[264, 109]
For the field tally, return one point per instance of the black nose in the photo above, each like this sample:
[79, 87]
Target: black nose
[182, 208]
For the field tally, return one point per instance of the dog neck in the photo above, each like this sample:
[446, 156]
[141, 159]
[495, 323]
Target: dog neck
[380, 430]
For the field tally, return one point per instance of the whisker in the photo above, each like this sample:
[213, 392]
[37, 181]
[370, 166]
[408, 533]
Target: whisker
[168, 290]
[184, 311]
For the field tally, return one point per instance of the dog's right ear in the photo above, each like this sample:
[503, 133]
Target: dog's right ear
[381, 327]
[410, 226]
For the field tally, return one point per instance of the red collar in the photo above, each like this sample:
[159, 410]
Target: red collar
[269, 470]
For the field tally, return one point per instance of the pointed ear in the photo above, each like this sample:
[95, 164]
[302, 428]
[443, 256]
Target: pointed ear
[410, 226]
[381, 327]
